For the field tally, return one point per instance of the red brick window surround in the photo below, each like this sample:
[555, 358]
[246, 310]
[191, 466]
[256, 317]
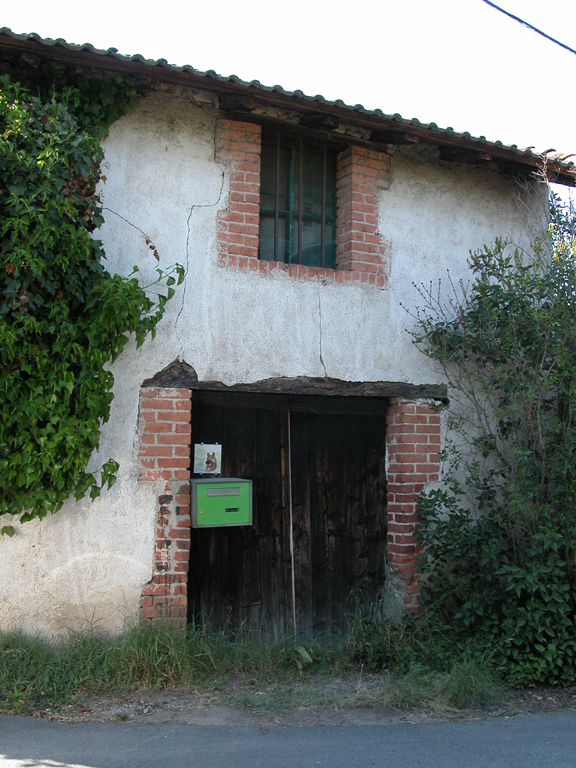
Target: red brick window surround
[165, 433]
[360, 248]
[239, 144]
[361, 173]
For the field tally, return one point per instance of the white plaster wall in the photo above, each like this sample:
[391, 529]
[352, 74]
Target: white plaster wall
[88, 563]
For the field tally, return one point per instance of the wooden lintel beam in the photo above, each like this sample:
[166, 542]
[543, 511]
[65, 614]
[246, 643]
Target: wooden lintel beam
[320, 121]
[464, 155]
[181, 375]
[391, 136]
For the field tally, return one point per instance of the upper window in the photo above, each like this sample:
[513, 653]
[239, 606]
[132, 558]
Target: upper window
[297, 202]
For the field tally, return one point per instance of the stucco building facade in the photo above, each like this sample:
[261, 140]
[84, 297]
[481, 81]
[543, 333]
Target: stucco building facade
[184, 169]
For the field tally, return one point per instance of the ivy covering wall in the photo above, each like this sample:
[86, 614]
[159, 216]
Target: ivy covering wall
[63, 317]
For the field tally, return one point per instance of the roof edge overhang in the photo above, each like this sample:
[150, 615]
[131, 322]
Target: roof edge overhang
[241, 97]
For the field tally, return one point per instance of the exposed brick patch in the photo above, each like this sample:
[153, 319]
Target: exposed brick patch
[316, 274]
[360, 174]
[239, 144]
[360, 248]
[413, 461]
[164, 427]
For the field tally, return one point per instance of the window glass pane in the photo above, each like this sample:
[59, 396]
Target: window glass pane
[311, 241]
[286, 178]
[330, 231]
[282, 239]
[312, 183]
[267, 178]
[330, 246]
[294, 178]
[292, 244]
[312, 206]
[330, 186]
[287, 205]
[266, 238]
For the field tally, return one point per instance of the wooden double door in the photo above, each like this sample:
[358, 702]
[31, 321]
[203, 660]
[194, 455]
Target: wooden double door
[319, 513]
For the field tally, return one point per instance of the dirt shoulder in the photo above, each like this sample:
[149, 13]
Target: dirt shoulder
[337, 701]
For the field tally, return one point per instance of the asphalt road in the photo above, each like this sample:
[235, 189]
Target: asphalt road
[529, 741]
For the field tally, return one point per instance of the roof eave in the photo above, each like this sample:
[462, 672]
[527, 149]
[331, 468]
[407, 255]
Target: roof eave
[161, 72]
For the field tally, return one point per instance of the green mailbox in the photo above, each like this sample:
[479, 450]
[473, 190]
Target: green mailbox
[221, 502]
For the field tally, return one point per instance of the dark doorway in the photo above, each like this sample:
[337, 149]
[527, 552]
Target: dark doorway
[243, 576]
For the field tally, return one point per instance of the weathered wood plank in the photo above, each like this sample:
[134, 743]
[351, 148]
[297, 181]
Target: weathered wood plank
[287, 560]
[270, 517]
[300, 440]
[242, 576]
[321, 512]
[179, 374]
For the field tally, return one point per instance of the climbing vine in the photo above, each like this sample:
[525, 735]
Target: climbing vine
[63, 317]
[499, 541]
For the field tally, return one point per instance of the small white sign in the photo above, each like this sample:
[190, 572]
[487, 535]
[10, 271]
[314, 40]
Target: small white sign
[207, 459]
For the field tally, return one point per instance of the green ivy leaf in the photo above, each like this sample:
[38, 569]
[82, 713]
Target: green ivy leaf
[63, 317]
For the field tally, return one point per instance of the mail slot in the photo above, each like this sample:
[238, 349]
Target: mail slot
[221, 502]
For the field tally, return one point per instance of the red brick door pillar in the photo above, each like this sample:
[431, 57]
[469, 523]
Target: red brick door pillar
[165, 435]
[412, 461]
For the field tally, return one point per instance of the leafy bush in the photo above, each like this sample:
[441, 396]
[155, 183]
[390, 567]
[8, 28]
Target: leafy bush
[500, 541]
[63, 317]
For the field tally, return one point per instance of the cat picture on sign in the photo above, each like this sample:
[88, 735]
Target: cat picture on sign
[207, 459]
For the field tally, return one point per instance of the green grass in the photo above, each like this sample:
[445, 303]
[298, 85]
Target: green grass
[414, 691]
[35, 671]
[242, 669]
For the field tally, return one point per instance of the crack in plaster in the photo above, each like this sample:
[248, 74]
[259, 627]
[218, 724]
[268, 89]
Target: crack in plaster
[187, 268]
[320, 334]
[151, 245]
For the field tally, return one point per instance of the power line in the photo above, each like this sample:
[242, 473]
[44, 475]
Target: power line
[525, 23]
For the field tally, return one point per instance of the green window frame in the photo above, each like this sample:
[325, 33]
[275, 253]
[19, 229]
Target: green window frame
[297, 201]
